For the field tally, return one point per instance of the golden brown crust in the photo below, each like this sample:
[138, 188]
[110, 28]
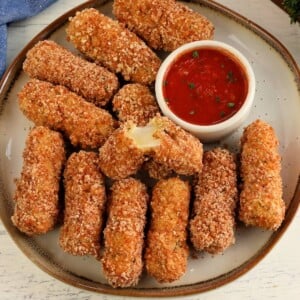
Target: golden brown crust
[166, 251]
[51, 62]
[157, 170]
[58, 108]
[213, 221]
[124, 233]
[119, 157]
[84, 205]
[135, 102]
[36, 196]
[261, 202]
[163, 24]
[178, 150]
[110, 44]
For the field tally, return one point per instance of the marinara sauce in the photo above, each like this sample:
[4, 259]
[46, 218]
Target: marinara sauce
[205, 86]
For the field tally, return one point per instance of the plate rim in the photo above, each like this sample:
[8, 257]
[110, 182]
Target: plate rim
[79, 282]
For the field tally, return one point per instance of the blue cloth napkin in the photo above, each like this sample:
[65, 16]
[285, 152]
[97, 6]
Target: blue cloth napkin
[14, 10]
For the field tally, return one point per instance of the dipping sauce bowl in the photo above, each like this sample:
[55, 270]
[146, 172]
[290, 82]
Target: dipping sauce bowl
[207, 88]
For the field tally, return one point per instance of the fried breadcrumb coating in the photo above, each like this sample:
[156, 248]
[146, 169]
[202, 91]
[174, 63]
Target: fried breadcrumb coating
[213, 222]
[51, 62]
[37, 191]
[135, 102]
[60, 109]
[169, 145]
[157, 170]
[107, 42]
[119, 157]
[178, 150]
[261, 202]
[124, 233]
[163, 24]
[84, 205]
[166, 248]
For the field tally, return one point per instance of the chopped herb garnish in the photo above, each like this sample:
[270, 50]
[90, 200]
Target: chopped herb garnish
[230, 77]
[222, 114]
[165, 82]
[167, 101]
[218, 99]
[195, 54]
[191, 85]
[192, 112]
[231, 104]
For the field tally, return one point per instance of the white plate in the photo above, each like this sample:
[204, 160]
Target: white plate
[277, 101]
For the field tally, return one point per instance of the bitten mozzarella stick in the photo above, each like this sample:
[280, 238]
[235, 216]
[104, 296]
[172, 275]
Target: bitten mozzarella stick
[136, 103]
[58, 108]
[213, 221]
[51, 62]
[36, 196]
[107, 42]
[119, 157]
[261, 202]
[163, 24]
[166, 248]
[124, 233]
[170, 146]
[84, 205]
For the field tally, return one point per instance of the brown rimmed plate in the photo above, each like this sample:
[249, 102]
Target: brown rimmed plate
[277, 101]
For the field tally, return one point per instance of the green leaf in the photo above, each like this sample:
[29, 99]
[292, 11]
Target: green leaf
[230, 77]
[195, 54]
[293, 9]
[191, 85]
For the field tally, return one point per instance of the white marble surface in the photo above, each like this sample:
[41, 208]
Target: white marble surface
[276, 277]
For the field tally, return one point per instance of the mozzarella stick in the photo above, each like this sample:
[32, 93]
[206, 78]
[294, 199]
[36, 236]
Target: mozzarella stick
[213, 221]
[178, 150]
[261, 202]
[166, 248]
[37, 191]
[163, 24]
[51, 62]
[135, 102]
[120, 157]
[60, 109]
[171, 147]
[84, 205]
[157, 170]
[110, 44]
[124, 233]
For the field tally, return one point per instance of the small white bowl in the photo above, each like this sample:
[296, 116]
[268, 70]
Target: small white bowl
[215, 132]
